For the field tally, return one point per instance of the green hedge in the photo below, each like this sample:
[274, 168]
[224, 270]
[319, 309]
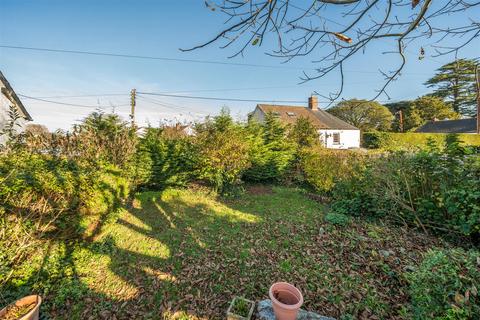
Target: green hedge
[412, 140]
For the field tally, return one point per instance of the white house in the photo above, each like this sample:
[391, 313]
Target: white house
[334, 132]
[9, 98]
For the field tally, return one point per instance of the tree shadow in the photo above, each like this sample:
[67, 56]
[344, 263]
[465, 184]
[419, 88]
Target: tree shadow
[177, 252]
[49, 267]
[178, 235]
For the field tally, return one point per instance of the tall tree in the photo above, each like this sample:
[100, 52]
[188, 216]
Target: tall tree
[455, 82]
[420, 111]
[434, 108]
[363, 114]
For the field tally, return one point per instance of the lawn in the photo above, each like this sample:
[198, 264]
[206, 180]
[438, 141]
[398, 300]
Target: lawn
[185, 253]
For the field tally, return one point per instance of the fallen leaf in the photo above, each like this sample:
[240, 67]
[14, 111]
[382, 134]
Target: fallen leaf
[343, 37]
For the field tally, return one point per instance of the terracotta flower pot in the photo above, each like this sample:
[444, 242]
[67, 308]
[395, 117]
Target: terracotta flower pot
[32, 314]
[286, 300]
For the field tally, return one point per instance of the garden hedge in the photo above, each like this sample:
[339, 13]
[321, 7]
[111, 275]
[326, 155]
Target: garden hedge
[412, 140]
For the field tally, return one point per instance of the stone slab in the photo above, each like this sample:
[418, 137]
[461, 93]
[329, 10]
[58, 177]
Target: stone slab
[265, 312]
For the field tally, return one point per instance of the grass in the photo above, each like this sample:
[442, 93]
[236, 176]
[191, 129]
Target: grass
[184, 254]
[241, 307]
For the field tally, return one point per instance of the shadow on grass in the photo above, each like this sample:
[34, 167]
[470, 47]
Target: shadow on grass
[49, 267]
[183, 253]
[145, 254]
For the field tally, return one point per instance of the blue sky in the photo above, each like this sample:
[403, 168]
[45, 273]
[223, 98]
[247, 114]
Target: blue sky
[160, 28]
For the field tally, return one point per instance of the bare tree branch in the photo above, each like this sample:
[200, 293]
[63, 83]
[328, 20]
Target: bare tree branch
[336, 37]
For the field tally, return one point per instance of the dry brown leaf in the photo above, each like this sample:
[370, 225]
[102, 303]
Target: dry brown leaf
[343, 37]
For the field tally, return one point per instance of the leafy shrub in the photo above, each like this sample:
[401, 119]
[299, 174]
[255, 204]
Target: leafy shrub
[165, 158]
[323, 168]
[433, 189]
[223, 154]
[51, 187]
[412, 140]
[358, 205]
[99, 138]
[445, 286]
[337, 219]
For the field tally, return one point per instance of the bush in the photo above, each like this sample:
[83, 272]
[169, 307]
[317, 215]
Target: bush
[412, 140]
[433, 189]
[445, 286]
[323, 168]
[52, 186]
[48, 201]
[337, 219]
[223, 154]
[166, 157]
[270, 153]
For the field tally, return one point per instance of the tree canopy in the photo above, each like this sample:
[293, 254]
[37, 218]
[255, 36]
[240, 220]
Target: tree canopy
[455, 82]
[420, 111]
[363, 114]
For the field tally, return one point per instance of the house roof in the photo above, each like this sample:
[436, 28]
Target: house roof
[450, 126]
[319, 118]
[10, 93]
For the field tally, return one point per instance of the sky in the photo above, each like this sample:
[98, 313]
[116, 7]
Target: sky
[158, 28]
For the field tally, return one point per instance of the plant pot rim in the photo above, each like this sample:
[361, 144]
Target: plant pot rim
[294, 290]
[38, 301]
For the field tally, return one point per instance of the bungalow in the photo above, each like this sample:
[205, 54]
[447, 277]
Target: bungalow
[334, 132]
[9, 98]
[468, 125]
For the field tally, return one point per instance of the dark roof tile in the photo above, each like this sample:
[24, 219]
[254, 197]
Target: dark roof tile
[319, 118]
[450, 126]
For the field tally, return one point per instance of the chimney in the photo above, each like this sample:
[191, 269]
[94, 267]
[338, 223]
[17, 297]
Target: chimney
[313, 103]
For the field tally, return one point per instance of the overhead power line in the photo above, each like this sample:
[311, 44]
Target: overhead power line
[90, 95]
[70, 104]
[199, 61]
[273, 101]
[120, 55]
[219, 98]
[172, 106]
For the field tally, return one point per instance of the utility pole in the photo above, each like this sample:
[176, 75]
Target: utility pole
[477, 72]
[133, 102]
[400, 114]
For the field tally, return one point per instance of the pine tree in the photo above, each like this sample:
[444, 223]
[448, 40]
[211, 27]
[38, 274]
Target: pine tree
[455, 82]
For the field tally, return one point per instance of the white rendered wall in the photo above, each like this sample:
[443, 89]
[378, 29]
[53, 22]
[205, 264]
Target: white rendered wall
[4, 117]
[348, 138]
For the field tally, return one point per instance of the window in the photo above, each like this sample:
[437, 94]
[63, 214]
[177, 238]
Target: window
[336, 138]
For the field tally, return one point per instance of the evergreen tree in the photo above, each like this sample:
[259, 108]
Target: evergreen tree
[455, 82]
[274, 131]
[224, 120]
[304, 133]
